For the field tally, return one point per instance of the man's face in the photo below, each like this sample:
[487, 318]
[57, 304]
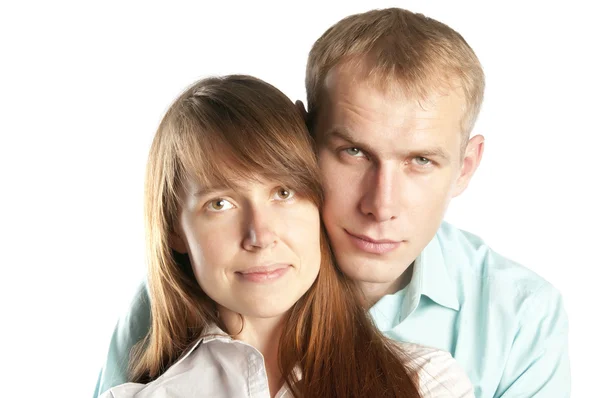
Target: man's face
[390, 167]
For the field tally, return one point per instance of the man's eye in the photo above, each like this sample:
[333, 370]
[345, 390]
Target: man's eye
[354, 152]
[284, 193]
[219, 205]
[421, 161]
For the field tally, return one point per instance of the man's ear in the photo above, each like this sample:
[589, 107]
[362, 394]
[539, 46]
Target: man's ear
[470, 163]
[302, 110]
[176, 242]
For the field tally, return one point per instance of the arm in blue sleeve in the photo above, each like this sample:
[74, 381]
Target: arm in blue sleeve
[130, 329]
[538, 363]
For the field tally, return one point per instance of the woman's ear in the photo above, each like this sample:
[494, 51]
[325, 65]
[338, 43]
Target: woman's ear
[176, 241]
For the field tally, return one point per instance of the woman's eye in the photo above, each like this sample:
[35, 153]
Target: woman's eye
[354, 152]
[421, 161]
[284, 194]
[219, 205]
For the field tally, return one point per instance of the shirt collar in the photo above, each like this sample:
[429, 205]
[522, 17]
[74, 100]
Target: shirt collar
[215, 333]
[431, 278]
[212, 332]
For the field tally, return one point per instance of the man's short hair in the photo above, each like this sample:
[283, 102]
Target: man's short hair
[398, 49]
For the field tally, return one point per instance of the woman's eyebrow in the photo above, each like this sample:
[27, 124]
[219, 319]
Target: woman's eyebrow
[210, 189]
[232, 184]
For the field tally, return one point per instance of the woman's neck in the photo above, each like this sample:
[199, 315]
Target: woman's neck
[262, 334]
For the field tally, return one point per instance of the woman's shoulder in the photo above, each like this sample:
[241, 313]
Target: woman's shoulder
[437, 372]
[123, 391]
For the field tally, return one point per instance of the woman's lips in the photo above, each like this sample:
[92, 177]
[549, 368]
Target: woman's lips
[264, 274]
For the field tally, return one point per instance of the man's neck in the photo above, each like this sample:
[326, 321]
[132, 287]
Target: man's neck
[262, 334]
[374, 291]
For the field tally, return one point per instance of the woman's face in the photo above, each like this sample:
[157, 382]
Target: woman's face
[255, 249]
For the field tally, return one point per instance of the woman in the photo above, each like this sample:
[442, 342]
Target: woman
[245, 297]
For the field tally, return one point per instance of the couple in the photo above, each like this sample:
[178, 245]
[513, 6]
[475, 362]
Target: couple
[245, 294]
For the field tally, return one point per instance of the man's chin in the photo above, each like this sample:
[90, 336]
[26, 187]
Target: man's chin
[368, 273]
[363, 269]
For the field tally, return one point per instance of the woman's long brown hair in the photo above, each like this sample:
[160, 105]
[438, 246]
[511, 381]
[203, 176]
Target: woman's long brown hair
[239, 126]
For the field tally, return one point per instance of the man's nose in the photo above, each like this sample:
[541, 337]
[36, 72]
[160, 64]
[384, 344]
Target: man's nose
[379, 201]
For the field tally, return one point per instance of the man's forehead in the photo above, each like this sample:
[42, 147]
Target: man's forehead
[367, 100]
[361, 84]
[410, 139]
[396, 135]
[366, 112]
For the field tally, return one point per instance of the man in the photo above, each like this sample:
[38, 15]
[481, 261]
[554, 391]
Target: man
[392, 100]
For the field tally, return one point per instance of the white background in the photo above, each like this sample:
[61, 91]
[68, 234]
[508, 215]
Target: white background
[83, 87]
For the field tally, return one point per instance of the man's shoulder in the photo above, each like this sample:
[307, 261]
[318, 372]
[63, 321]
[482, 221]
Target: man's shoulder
[132, 326]
[471, 261]
[136, 321]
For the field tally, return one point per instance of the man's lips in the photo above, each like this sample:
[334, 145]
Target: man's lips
[366, 238]
[373, 246]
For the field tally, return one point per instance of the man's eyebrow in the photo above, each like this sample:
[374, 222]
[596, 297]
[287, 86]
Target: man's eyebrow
[434, 152]
[347, 135]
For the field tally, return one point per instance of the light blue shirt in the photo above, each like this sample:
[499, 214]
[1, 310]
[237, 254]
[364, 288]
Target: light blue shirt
[505, 325]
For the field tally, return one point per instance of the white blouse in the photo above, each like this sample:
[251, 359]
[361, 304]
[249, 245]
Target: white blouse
[221, 367]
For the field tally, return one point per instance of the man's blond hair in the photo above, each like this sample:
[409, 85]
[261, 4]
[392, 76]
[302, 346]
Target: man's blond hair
[396, 48]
